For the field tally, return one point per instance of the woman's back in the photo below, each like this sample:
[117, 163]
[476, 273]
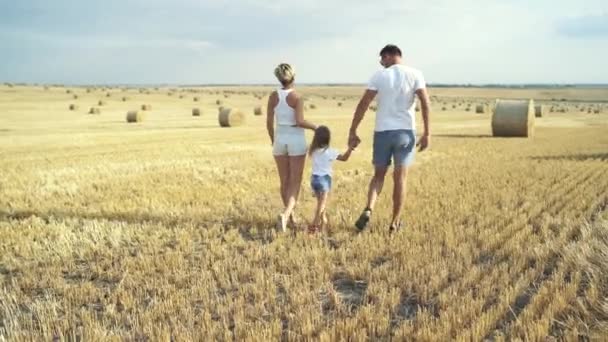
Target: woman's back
[285, 115]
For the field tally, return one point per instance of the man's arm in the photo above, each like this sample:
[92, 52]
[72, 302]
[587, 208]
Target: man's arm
[362, 107]
[425, 107]
[344, 156]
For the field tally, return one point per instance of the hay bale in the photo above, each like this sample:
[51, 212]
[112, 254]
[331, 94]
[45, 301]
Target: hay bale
[444, 108]
[146, 107]
[540, 111]
[220, 108]
[218, 102]
[124, 99]
[257, 110]
[196, 99]
[513, 118]
[312, 106]
[339, 104]
[135, 116]
[68, 91]
[94, 110]
[108, 95]
[229, 117]
[196, 112]
[481, 109]
[596, 111]
[101, 103]
[73, 107]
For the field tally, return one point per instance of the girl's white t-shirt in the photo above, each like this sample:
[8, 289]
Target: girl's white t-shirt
[322, 159]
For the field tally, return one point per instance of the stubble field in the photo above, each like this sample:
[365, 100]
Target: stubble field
[163, 230]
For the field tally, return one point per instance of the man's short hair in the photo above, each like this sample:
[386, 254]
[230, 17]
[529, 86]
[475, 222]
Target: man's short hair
[391, 49]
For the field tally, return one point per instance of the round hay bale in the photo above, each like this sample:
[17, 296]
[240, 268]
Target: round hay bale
[108, 95]
[513, 118]
[101, 103]
[124, 99]
[94, 110]
[135, 116]
[312, 106]
[481, 109]
[229, 117]
[146, 107]
[339, 104]
[68, 91]
[75, 97]
[196, 99]
[596, 111]
[444, 108]
[220, 108]
[540, 111]
[218, 102]
[257, 110]
[73, 107]
[181, 96]
[196, 112]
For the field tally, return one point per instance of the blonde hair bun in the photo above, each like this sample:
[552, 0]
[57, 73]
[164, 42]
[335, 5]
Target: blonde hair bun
[285, 73]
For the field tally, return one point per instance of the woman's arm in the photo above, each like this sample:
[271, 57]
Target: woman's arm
[344, 156]
[300, 115]
[270, 116]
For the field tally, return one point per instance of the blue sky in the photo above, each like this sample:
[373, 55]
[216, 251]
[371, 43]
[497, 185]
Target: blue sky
[240, 41]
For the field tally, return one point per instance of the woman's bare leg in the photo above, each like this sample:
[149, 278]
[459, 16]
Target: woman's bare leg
[283, 169]
[296, 169]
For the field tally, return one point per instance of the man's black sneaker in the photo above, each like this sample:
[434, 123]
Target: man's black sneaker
[363, 220]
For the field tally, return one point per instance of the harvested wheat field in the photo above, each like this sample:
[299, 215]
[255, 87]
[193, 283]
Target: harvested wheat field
[164, 229]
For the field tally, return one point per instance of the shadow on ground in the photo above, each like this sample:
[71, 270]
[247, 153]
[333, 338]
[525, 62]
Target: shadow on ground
[254, 229]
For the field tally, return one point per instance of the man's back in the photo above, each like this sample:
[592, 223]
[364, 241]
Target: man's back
[396, 87]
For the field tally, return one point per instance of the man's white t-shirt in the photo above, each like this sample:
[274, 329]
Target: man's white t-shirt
[396, 87]
[322, 159]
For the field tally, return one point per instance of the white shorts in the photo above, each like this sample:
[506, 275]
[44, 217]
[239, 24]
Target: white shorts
[289, 141]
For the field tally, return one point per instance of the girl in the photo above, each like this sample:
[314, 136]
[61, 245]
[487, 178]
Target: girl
[322, 157]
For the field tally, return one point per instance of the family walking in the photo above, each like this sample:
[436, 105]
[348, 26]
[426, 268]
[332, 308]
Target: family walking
[395, 88]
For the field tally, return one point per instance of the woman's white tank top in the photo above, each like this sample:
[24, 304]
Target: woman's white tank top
[284, 115]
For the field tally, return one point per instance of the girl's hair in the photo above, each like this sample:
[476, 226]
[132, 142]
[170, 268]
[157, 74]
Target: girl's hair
[285, 73]
[321, 139]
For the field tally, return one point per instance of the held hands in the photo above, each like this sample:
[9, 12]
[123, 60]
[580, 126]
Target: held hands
[353, 140]
[424, 142]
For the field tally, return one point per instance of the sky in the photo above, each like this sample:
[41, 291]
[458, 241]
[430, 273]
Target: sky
[327, 41]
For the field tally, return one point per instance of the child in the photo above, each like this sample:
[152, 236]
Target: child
[322, 156]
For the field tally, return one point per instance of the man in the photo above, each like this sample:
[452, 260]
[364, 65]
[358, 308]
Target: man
[396, 86]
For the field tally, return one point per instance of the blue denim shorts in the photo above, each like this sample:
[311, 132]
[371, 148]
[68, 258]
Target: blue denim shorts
[398, 145]
[320, 183]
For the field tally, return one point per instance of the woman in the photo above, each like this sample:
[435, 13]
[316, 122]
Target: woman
[289, 147]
